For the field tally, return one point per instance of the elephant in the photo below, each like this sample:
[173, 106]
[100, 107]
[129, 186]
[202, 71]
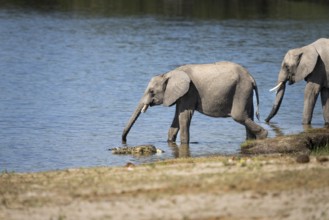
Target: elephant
[310, 63]
[221, 89]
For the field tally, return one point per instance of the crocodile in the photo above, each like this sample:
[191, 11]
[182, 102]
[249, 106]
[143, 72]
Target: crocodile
[137, 150]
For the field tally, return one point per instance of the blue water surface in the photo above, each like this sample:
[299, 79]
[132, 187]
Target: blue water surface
[69, 84]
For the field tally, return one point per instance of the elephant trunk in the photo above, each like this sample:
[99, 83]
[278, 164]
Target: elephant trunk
[140, 108]
[278, 99]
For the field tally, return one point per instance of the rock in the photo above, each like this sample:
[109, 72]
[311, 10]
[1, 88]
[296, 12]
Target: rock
[321, 159]
[304, 158]
[137, 150]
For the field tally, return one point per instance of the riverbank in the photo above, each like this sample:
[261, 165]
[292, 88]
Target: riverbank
[262, 187]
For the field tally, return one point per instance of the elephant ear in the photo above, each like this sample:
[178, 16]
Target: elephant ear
[177, 85]
[307, 61]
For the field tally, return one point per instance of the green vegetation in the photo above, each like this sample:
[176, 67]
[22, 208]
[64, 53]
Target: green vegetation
[321, 150]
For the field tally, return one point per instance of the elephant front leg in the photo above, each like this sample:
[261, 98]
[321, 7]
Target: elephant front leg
[172, 133]
[184, 125]
[174, 128]
[325, 104]
[311, 94]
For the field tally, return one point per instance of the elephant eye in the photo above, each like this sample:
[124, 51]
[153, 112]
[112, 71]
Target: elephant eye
[287, 67]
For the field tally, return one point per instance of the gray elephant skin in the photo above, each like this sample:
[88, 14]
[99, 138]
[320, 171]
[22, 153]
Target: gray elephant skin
[310, 63]
[221, 89]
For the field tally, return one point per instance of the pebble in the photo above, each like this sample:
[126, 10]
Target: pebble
[130, 166]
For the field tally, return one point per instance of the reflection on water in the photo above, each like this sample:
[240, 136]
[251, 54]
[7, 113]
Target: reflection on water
[206, 9]
[71, 75]
[180, 151]
[277, 130]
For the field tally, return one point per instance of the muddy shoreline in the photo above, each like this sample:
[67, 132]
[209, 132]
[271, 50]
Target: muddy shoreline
[304, 142]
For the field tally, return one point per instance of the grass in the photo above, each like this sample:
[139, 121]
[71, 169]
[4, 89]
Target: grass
[321, 150]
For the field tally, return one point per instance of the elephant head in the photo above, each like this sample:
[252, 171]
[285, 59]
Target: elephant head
[297, 65]
[163, 89]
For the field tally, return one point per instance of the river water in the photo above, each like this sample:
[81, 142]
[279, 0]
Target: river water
[70, 82]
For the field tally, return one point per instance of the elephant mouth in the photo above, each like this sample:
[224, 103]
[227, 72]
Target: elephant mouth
[145, 107]
[291, 79]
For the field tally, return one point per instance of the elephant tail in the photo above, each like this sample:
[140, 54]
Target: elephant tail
[254, 85]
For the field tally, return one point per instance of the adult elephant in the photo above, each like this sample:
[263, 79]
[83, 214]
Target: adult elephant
[221, 89]
[310, 63]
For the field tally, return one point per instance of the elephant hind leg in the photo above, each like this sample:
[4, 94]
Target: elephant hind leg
[243, 113]
[249, 133]
[325, 104]
[254, 131]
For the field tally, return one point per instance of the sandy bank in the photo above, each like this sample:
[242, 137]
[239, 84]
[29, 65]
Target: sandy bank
[273, 187]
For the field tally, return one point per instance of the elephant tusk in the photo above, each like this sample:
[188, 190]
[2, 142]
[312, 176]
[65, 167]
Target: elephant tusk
[276, 87]
[144, 108]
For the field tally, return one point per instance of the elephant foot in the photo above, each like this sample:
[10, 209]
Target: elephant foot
[306, 122]
[262, 134]
[171, 141]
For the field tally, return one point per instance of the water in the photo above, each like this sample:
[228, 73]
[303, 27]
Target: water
[70, 82]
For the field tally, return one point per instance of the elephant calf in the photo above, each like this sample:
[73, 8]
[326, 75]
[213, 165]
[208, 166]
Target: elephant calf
[221, 89]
